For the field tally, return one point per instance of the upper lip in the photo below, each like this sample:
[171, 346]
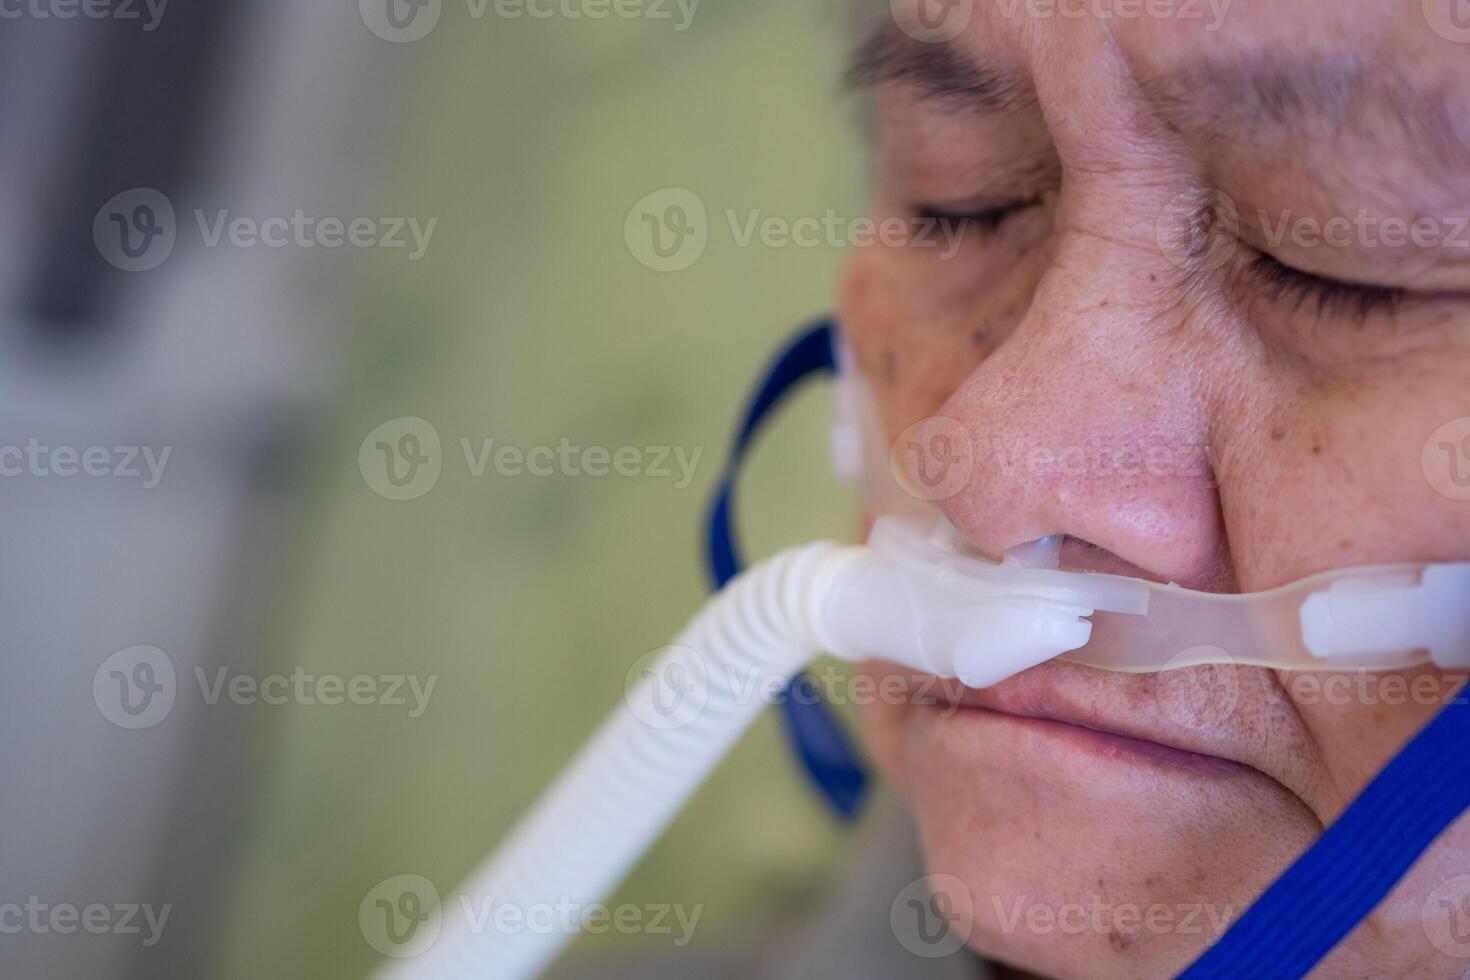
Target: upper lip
[1260, 731]
[1118, 704]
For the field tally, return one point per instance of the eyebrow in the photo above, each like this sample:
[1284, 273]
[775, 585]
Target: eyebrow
[1228, 97]
[1260, 88]
[938, 71]
[1222, 98]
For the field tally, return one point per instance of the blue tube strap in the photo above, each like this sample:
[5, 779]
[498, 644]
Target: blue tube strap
[1356, 862]
[818, 739]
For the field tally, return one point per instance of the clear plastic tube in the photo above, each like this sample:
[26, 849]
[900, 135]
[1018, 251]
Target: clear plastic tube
[918, 598]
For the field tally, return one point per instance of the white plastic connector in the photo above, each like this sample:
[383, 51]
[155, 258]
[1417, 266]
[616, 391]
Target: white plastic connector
[924, 588]
[847, 414]
[1357, 619]
[881, 610]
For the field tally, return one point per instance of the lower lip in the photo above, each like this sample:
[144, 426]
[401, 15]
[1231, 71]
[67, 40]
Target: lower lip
[1093, 742]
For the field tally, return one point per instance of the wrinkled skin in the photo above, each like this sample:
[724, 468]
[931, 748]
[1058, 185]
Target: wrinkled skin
[1106, 289]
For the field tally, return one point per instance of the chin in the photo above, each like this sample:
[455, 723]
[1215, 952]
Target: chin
[1084, 853]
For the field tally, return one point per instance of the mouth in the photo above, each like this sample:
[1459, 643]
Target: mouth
[1117, 717]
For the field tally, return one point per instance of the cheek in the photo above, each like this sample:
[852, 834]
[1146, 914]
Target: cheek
[1342, 473]
[919, 325]
[1361, 720]
[909, 343]
[883, 727]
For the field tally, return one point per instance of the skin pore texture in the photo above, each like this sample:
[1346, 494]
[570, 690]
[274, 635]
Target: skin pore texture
[1138, 272]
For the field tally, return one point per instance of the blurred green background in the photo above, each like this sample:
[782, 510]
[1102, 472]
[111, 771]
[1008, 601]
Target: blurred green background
[529, 320]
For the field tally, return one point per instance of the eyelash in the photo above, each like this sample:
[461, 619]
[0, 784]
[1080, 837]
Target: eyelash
[1285, 283]
[986, 222]
[1291, 285]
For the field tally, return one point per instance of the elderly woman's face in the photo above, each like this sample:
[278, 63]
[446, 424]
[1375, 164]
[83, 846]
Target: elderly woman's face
[1232, 246]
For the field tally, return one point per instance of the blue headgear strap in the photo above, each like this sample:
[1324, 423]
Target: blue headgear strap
[1355, 863]
[1310, 908]
[815, 734]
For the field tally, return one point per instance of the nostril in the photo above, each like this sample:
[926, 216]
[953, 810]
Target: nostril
[1078, 555]
[1041, 553]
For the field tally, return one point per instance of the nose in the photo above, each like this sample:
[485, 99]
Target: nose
[1092, 420]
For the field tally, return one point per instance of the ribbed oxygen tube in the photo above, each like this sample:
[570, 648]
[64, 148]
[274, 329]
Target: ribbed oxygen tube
[580, 839]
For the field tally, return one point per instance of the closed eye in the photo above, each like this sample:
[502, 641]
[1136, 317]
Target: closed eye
[986, 221]
[1296, 288]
